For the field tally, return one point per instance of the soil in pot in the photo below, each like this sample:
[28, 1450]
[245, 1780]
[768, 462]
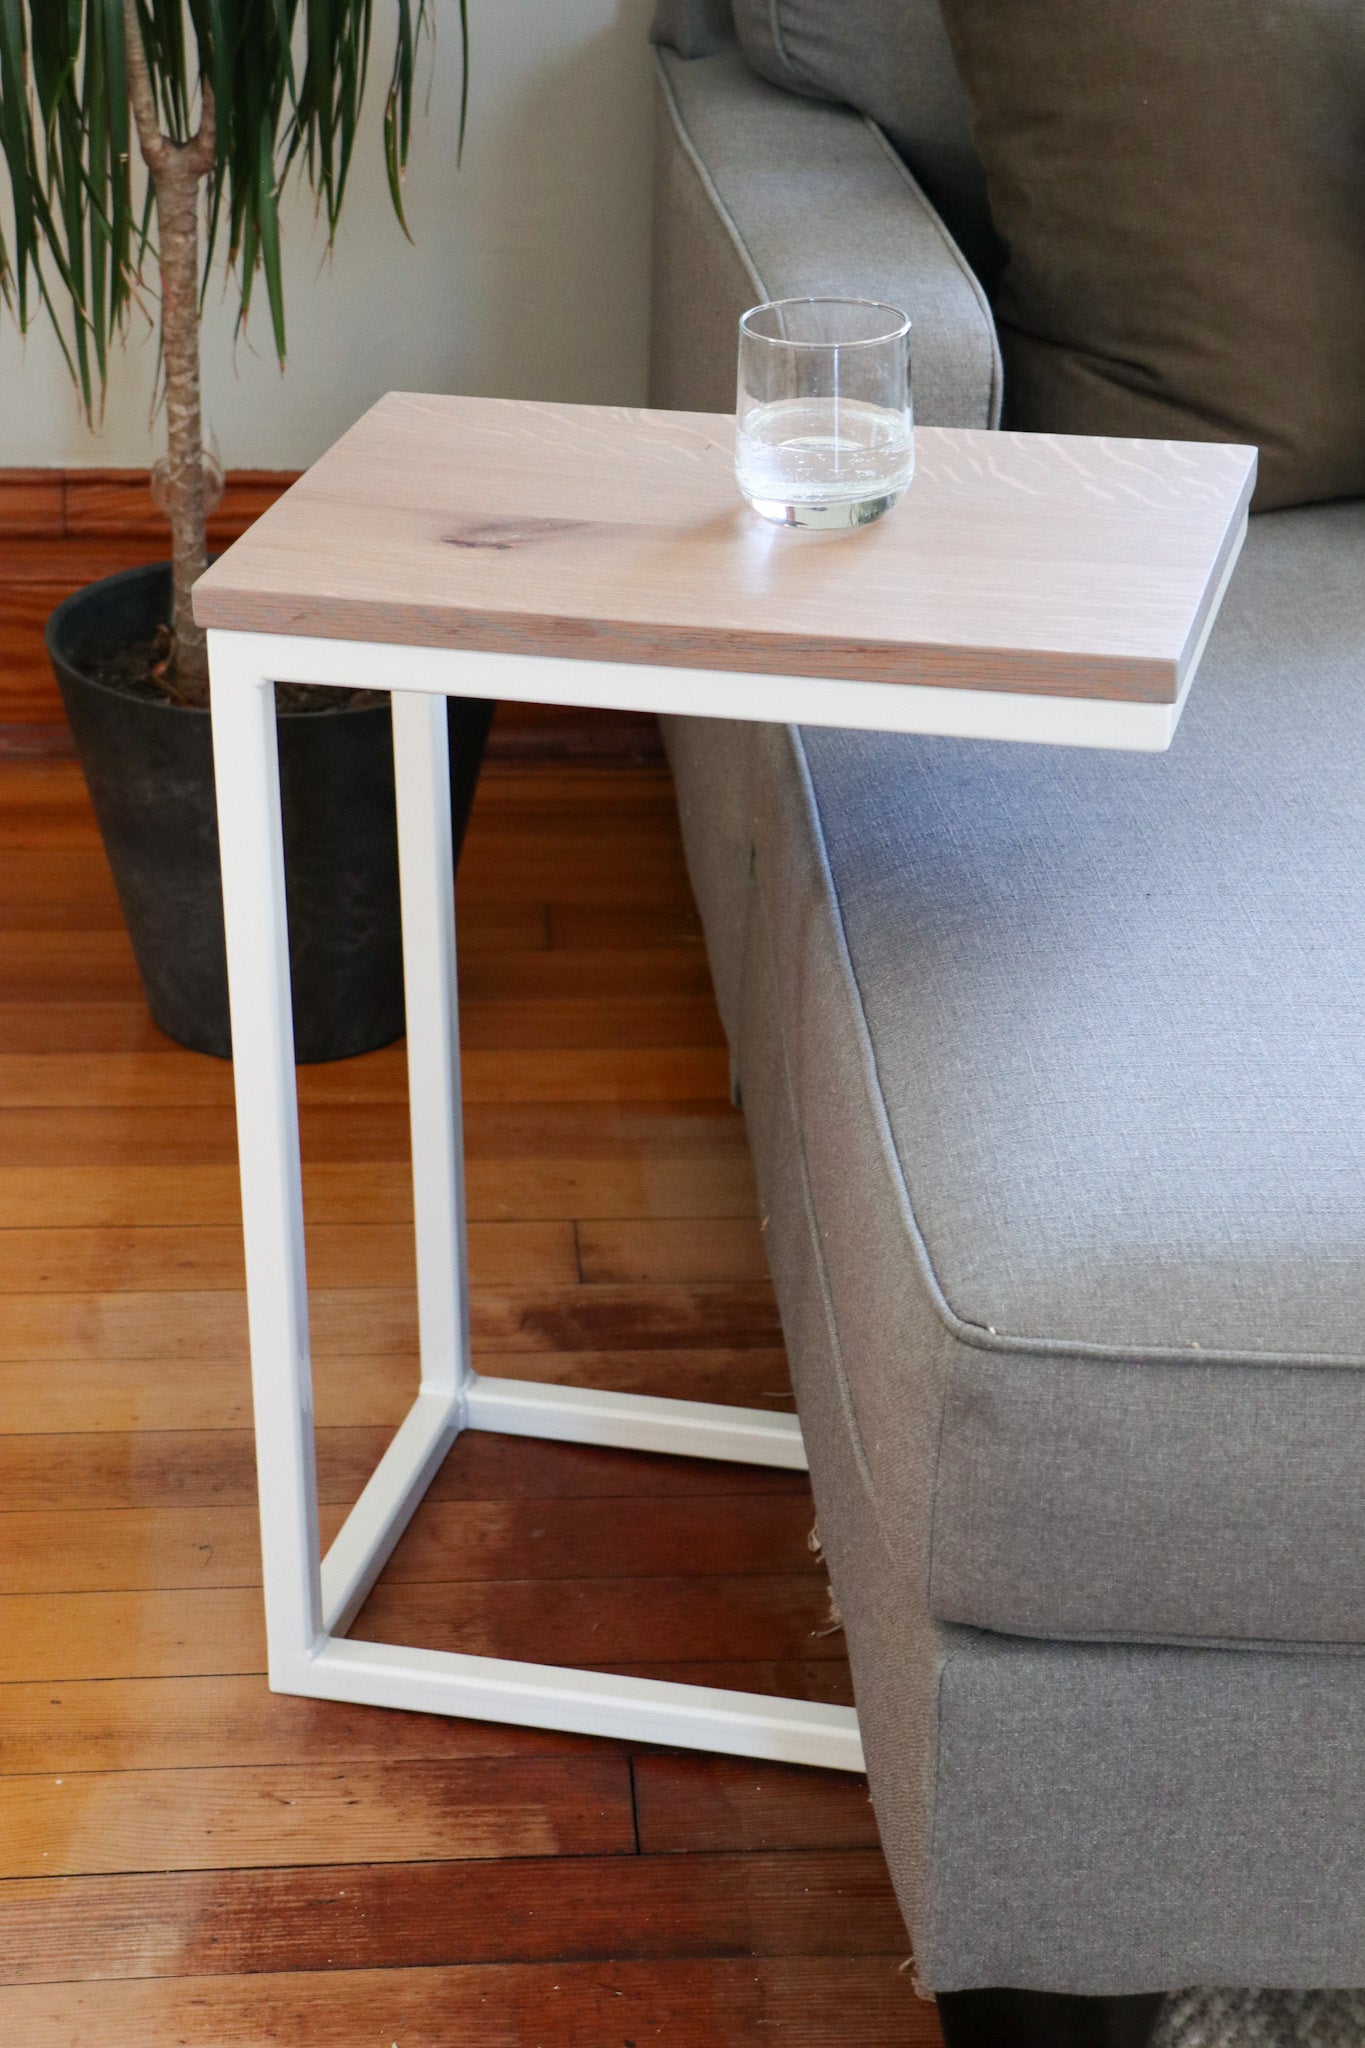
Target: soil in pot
[148, 764]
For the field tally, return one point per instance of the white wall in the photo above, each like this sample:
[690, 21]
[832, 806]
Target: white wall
[528, 278]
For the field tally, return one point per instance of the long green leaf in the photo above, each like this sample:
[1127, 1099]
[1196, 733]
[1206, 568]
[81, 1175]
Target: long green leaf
[288, 79]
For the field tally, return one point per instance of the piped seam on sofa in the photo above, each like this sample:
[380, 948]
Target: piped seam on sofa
[707, 182]
[761, 929]
[1154, 1639]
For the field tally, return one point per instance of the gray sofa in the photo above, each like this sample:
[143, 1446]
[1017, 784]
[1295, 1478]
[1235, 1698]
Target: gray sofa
[1054, 1071]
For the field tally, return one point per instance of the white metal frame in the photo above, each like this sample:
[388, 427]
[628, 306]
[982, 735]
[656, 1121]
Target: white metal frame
[311, 1600]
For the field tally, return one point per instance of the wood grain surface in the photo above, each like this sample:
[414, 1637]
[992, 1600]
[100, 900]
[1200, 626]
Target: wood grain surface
[188, 1857]
[60, 527]
[1040, 563]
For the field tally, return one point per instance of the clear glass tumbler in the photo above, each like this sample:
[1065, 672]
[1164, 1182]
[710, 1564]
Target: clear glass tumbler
[823, 432]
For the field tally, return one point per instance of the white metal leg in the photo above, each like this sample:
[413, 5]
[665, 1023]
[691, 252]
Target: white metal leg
[364, 1543]
[246, 770]
[421, 762]
[309, 1604]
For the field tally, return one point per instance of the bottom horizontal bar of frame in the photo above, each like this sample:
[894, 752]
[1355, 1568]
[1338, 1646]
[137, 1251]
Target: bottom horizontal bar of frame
[578, 1702]
[634, 1422]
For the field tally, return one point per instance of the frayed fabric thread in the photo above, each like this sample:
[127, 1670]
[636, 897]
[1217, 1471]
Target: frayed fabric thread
[835, 1619]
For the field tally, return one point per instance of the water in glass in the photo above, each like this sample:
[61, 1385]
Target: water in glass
[844, 454]
[823, 433]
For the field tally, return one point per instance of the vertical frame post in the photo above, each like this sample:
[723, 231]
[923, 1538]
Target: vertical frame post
[421, 759]
[247, 776]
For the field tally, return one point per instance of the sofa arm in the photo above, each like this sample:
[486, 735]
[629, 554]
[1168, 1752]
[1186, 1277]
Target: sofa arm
[761, 195]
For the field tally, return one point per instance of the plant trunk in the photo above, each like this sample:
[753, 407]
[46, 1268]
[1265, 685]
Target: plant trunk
[176, 184]
[177, 169]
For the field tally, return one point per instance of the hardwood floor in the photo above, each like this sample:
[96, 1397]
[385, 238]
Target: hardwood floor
[187, 1858]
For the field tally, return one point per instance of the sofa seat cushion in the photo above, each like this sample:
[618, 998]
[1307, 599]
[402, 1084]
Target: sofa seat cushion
[1078, 1045]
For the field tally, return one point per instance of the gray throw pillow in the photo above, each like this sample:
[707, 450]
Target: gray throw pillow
[1181, 193]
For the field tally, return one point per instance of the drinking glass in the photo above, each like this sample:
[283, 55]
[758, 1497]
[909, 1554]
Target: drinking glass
[823, 433]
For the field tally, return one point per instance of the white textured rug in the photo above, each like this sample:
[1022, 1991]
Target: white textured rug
[1263, 2019]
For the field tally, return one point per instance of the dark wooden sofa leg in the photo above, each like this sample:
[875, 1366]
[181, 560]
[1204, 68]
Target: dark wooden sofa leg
[1045, 2019]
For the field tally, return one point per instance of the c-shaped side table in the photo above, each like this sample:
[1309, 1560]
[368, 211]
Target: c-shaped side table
[1034, 588]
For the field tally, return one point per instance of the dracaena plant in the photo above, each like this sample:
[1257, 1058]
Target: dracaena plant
[222, 100]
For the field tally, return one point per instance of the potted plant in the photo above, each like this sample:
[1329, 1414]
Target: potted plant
[216, 103]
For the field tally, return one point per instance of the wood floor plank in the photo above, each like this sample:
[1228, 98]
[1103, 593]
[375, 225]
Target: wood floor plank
[349, 1133]
[641, 874]
[179, 1723]
[621, 864]
[800, 2002]
[450, 1541]
[149, 1549]
[47, 875]
[45, 966]
[539, 1016]
[170, 1258]
[93, 1392]
[45, 887]
[56, 783]
[291, 1814]
[584, 1621]
[673, 1062]
[87, 912]
[192, 1468]
[697, 1069]
[649, 1184]
[712, 1803]
[423, 1915]
[526, 1189]
[381, 1322]
[643, 1249]
[130, 1635]
[493, 922]
[696, 1317]
[130, 1549]
[598, 926]
[584, 975]
[52, 1029]
[38, 823]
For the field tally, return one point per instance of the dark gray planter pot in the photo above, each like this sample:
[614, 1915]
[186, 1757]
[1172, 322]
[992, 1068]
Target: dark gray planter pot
[149, 769]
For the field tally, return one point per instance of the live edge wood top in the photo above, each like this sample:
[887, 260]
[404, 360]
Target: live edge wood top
[1018, 562]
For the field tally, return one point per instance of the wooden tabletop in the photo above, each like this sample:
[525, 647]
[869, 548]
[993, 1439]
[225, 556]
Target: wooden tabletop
[1028, 562]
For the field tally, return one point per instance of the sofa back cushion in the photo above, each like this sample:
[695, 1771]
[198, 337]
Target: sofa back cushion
[891, 60]
[1181, 192]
